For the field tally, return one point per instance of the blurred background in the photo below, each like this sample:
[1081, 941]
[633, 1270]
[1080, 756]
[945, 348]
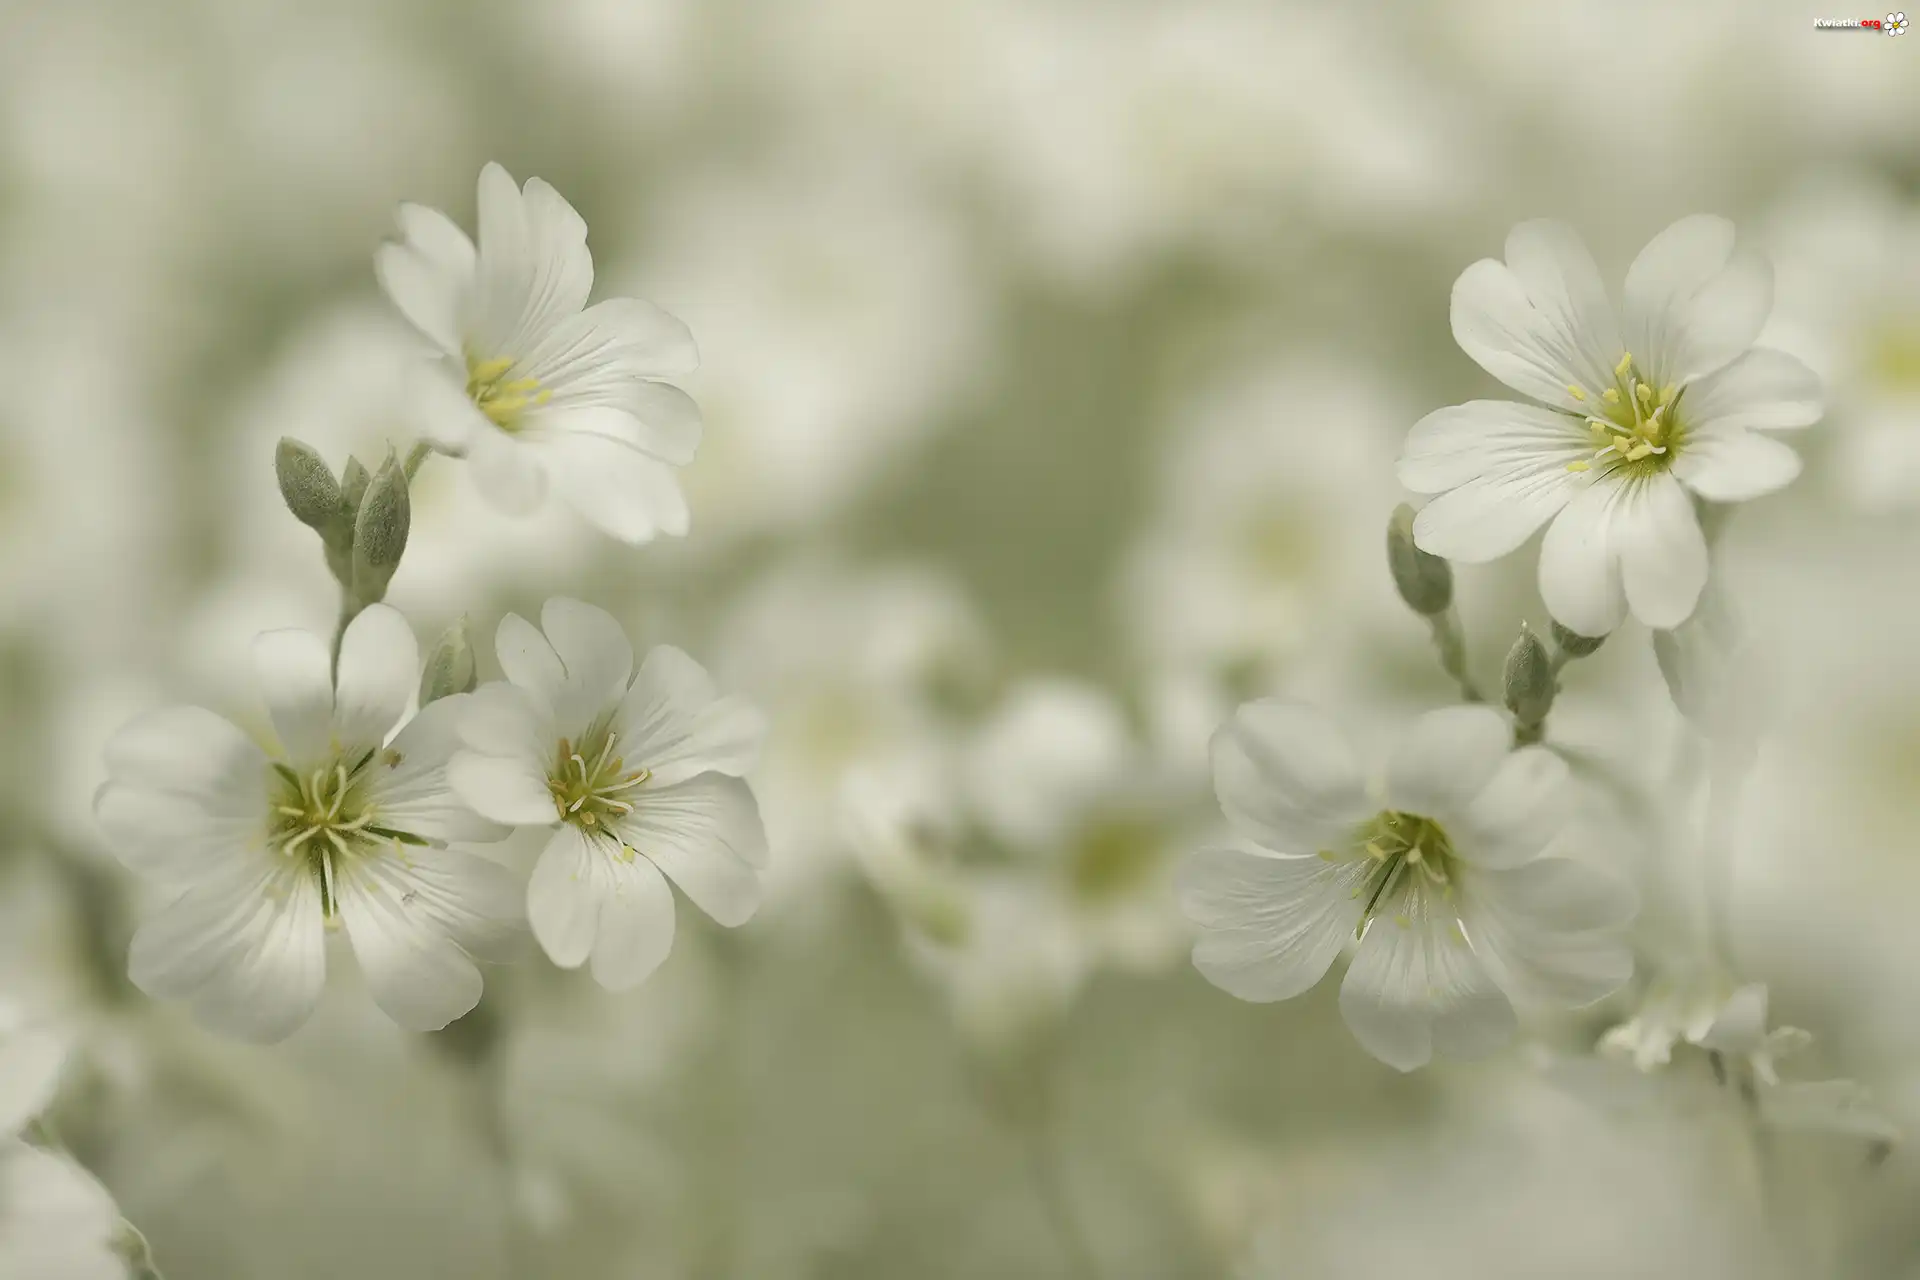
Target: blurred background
[1056, 356]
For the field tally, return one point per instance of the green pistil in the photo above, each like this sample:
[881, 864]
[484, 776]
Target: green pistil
[1406, 850]
[322, 818]
[591, 792]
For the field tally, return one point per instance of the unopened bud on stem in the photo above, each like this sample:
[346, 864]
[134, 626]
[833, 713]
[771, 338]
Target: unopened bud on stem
[1530, 685]
[450, 667]
[380, 532]
[1573, 644]
[308, 487]
[1424, 581]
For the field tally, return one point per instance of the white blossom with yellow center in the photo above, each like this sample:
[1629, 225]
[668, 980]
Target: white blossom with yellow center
[1445, 877]
[540, 390]
[1636, 417]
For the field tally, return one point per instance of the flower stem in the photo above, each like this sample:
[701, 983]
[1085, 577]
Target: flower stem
[415, 456]
[1452, 646]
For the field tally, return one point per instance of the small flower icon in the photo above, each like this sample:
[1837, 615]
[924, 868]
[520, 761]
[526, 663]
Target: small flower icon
[1896, 24]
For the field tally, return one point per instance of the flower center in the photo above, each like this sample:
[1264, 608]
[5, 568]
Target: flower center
[327, 817]
[501, 398]
[1632, 423]
[1895, 359]
[1113, 856]
[591, 791]
[1408, 853]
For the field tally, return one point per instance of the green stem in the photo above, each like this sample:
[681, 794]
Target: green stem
[415, 456]
[349, 610]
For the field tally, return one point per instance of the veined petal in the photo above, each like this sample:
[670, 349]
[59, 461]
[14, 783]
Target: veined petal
[1663, 553]
[636, 925]
[246, 949]
[1539, 322]
[534, 267]
[1724, 464]
[178, 838]
[528, 660]
[436, 400]
[1551, 931]
[503, 719]
[1286, 778]
[379, 667]
[674, 722]
[1416, 988]
[705, 833]
[652, 419]
[1518, 813]
[296, 680]
[1763, 390]
[191, 752]
[1270, 926]
[1464, 442]
[619, 338]
[1692, 302]
[408, 783]
[507, 472]
[563, 896]
[429, 275]
[1580, 567]
[1447, 759]
[417, 921]
[505, 789]
[622, 492]
[592, 648]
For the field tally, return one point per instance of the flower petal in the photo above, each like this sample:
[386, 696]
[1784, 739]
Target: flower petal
[528, 660]
[1764, 390]
[674, 723]
[178, 838]
[509, 789]
[31, 1059]
[1286, 778]
[1663, 553]
[1579, 566]
[620, 491]
[534, 267]
[1735, 465]
[592, 648]
[295, 672]
[1550, 931]
[619, 338]
[1270, 926]
[408, 784]
[1518, 813]
[190, 751]
[1540, 322]
[563, 896]
[416, 924]
[652, 419]
[429, 275]
[246, 949]
[1416, 988]
[636, 925]
[379, 668]
[1692, 302]
[508, 474]
[1447, 759]
[1465, 442]
[705, 833]
[503, 719]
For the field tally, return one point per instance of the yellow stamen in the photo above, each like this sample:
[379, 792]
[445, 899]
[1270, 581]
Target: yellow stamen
[1577, 393]
[1582, 465]
[1626, 363]
[1611, 395]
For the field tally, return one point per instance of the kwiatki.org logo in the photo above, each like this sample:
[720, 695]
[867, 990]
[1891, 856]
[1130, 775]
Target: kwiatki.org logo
[1894, 24]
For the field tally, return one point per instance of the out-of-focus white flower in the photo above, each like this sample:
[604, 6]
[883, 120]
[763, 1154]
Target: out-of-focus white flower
[343, 826]
[1445, 881]
[1024, 855]
[851, 663]
[639, 774]
[1744, 1051]
[541, 388]
[1265, 547]
[1635, 417]
[844, 318]
[1847, 250]
[56, 1221]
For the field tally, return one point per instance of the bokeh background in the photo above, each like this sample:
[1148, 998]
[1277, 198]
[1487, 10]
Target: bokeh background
[1056, 355]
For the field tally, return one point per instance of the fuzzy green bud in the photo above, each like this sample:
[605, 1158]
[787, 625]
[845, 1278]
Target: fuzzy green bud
[1424, 581]
[450, 667]
[1573, 644]
[380, 532]
[353, 487]
[308, 487]
[1529, 680]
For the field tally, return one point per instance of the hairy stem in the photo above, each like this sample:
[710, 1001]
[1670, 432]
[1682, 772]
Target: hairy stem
[1452, 646]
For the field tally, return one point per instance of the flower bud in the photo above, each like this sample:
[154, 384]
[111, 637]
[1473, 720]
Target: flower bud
[450, 667]
[380, 532]
[1573, 644]
[353, 487]
[1529, 680]
[1425, 581]
[308, 487]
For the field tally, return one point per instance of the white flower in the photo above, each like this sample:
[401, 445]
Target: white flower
[639, 774]
[1446, 884]
[56, 1221]
[555, 392]
[1635, 418]
[266, 854]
